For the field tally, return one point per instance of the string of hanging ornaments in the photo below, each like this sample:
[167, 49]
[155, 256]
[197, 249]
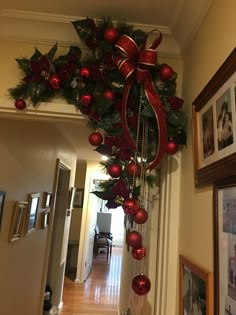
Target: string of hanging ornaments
[130, 102]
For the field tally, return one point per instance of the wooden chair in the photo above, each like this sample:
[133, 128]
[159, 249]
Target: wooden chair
[102, 240]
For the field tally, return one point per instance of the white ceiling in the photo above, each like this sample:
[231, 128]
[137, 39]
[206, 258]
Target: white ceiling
[48, 21]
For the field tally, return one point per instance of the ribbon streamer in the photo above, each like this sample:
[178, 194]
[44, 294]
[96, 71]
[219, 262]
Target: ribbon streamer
[134, 60]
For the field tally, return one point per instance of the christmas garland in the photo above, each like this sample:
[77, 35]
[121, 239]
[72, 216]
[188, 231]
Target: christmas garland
[123, 91]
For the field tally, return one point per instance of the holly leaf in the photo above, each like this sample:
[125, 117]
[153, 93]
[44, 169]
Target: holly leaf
[23, 64]
[37, 55]
[176, 118]
[52, 52]
[36, 91]
[104, 195]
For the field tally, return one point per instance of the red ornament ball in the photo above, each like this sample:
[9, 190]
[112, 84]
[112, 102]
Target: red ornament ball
[139, 253]
[86, 99]
[130, 206]
[140, 216]
[134, 239]
[141, 284]
[20, 103]
[166, 73]
[172, 147]
[114, 170]
[95, 138]
[108, 94]
[110, 35]
[54, 81]
[133, 169]
[85, 72]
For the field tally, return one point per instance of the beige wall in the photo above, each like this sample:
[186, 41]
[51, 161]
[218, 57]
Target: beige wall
[210, 47]
[28, 158]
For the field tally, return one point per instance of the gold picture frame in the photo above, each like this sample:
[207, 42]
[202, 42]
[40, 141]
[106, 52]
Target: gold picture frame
[45, 219]
[214, 126]
[196, 291]
[47, 199]
[18, 221]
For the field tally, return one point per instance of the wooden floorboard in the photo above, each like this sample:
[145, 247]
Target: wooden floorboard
[99, 295]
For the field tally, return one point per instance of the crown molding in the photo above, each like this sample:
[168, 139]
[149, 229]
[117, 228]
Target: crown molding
[36, 27]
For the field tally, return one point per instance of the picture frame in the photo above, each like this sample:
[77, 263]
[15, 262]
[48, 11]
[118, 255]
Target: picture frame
[78, 198]
[214, 126]
[224, 222]
[32, 212]
[2, 201]
[71, 197]
[47, 200]
[18, 221]
[45, 219]
[196, 292]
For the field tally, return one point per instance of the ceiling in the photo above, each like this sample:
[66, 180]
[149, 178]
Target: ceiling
[49, 21]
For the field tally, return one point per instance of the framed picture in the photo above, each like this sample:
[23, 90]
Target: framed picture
[47, 200]
[44, 219]
[78, 198]
[2, 199]
[32, 211]
[214, 126]
[195, 289]
[71, 197]
[225, 245]
[18, 221]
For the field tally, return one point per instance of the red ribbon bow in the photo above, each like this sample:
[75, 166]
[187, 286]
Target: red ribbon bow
[137, 61]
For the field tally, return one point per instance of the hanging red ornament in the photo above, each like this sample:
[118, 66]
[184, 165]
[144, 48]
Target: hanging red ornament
[114, 170]
[54, 81]
[20, 103]
[86, 99]
[166, 73]
[172, 147]
[140, 216]
[110, 35]
[139, 253]
[85, 72]
[134, 239]
[108, 94]
[141, 284]
[133, 169]
[95, 138]
[130, 206]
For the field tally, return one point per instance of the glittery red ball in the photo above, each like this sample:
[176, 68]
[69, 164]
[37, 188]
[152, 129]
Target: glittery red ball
[95, 138]
[134, 239]
[141, 284]
[108, 94]
[172, 147]
[85, 72]
[86, 99]
[110, 35]
[133, 169]
[139, 253]
[130, 206]
[140, 216]
[20, 103]
[54, 81]
[166, 73]
[114, 170]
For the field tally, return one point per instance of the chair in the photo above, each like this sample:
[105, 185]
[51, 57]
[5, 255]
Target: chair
[102, 240]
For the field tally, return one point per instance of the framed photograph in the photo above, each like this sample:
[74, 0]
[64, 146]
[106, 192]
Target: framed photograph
[195, 289]
[214, 126]
[47, 200]
[71, 197]
[2, 200]
[44, 219]
[224, 210]
[18, 220]
[78, 198]
[32, 212]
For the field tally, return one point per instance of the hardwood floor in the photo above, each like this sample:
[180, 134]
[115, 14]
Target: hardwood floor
[99, 294]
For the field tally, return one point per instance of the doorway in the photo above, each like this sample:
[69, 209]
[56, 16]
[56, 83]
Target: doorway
[60, 233]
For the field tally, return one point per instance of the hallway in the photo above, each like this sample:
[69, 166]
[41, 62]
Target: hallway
[99, 295]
